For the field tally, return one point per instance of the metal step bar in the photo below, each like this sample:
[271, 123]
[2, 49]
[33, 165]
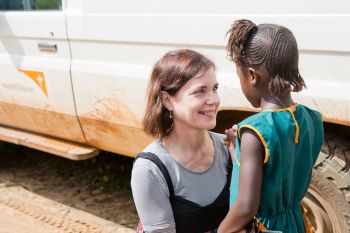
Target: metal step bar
[69, 150]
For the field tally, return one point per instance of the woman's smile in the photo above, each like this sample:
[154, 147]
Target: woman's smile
[208, 114]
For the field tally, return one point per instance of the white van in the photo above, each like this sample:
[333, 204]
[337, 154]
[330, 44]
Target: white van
[74, 74]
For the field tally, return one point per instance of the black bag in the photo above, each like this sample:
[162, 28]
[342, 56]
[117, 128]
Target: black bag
[189, 216]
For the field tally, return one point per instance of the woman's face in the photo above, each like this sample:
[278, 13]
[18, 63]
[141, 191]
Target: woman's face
[196, 103]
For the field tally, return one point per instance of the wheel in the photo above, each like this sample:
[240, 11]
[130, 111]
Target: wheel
[328, 198]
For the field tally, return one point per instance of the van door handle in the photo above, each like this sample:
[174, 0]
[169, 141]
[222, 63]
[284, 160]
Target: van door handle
[47, 47]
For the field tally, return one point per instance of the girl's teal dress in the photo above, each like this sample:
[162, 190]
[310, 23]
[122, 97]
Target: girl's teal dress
[292, 138]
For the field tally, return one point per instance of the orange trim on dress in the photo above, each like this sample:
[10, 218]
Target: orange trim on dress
[296, 138]
[307, 223]
[291, 109]
[261, 138]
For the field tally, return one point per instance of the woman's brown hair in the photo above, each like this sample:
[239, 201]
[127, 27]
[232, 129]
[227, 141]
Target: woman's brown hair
[268, 45]
[169, 74]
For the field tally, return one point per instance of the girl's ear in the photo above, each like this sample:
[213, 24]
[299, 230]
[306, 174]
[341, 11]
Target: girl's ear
[254, 76]
[166, 100]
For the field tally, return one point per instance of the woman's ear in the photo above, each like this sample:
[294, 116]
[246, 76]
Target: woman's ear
[166, 100]
[254, 76]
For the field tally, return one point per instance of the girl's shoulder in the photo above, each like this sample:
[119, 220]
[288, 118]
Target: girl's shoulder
[316, 115]
[271, 117]
[264, 124]
[260, 117]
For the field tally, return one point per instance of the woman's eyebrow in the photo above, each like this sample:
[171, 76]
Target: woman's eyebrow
[206, 86]
[200, 87]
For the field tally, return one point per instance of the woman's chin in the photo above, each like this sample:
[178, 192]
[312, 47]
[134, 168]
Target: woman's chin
[210, 126]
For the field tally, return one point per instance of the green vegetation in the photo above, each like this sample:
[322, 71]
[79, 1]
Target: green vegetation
[47, 4]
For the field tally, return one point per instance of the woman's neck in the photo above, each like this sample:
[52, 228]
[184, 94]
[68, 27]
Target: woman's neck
[192, 148]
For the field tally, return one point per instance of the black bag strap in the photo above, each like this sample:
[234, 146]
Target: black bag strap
[155, 159]
[229, 168]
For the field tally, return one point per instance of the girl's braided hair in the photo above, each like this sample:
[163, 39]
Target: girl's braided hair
[268, 45]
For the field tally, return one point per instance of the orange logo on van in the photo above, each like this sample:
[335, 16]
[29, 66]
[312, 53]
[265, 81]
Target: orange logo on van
[38, 77]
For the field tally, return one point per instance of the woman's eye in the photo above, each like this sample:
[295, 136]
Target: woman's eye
[199, 91]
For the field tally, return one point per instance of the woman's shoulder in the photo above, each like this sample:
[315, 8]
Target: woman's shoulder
[157, 149]
[146, 164]
[220, 148]
[146, 169]
[218, 139]
[216, 136]
[152, 147]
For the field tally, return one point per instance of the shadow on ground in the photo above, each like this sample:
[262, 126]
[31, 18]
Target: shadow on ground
[100, 186]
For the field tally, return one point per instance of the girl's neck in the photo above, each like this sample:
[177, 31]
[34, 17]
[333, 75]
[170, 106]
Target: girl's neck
[274, 102]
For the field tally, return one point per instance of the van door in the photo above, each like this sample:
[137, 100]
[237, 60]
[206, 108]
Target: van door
[35, 84]
[109, 74]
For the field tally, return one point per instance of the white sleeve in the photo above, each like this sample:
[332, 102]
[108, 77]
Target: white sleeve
[151, 197]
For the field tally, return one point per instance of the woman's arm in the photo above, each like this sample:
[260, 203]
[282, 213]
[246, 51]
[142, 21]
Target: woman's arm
[250, 178]
[151, 197]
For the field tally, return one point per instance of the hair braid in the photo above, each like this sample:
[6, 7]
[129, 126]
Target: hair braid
[271, 46]
[241, 29]
[282, 63]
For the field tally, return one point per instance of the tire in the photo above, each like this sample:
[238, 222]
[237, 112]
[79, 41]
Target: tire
[328, 198]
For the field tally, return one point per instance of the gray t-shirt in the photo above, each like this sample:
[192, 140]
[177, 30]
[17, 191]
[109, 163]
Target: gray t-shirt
[151, 194]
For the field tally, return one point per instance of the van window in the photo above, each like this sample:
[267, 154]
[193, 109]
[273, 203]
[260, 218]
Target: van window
[30, 5]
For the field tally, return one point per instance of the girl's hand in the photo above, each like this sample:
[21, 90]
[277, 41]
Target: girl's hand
[230, 140]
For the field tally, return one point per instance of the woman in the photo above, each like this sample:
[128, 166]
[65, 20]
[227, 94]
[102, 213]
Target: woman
[180, 181]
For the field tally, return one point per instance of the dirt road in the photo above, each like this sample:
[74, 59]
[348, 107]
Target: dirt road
[22, 211]
[41, 193]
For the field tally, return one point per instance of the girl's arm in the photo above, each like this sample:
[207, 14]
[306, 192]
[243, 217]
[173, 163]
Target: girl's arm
[151, 197]
[250, 178]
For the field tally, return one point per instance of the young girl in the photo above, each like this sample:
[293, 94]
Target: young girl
[275, 149]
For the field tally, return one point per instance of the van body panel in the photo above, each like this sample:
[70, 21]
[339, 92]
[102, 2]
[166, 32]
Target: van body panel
[35, 84]
[115, 44]
[81, 73]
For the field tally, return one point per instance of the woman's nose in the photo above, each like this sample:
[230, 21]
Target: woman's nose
[213, 98]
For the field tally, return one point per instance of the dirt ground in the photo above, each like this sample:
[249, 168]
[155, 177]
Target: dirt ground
[95, 193]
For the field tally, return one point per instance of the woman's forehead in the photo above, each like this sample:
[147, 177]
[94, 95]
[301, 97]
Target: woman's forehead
[204, 78]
